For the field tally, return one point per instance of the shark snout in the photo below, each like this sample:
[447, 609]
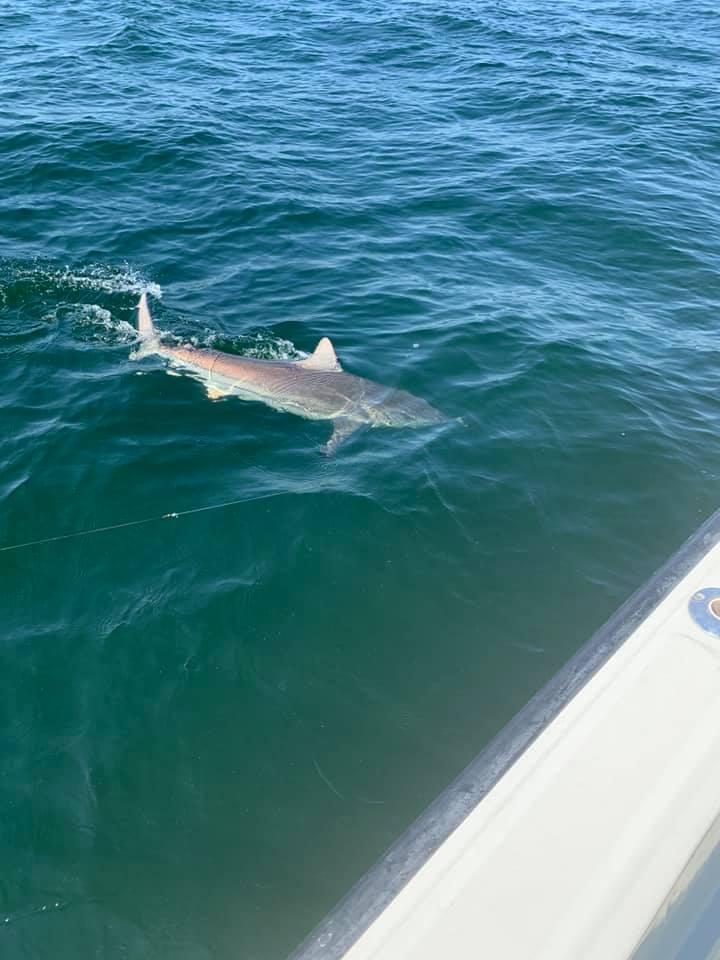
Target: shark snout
[402, 409]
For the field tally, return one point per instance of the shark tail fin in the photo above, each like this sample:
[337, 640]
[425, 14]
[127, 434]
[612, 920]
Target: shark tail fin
[145, 326]
[147, 334]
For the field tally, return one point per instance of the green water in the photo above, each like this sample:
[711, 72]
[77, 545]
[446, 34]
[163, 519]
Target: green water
[212, 725]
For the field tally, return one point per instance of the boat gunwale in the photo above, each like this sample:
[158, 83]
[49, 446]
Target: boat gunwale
[366, 900]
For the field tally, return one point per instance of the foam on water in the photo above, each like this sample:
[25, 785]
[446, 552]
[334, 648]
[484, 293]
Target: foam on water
[60, 291]
[257, 344]
[106, 278]
[90, 322]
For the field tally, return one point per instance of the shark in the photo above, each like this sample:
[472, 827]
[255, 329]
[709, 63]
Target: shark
[316, 387]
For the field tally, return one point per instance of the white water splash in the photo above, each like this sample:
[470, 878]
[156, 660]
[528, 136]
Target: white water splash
[266, 347]
[93, 322]
[109, 279]
[258, 345]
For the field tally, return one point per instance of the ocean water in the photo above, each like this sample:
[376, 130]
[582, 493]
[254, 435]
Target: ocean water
[212, 725]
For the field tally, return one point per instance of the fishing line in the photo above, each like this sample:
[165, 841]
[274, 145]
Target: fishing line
[173, 515]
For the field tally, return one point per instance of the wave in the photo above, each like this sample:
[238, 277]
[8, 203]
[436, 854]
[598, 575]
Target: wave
[47, 277]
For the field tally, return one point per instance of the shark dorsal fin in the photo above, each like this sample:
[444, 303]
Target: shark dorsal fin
[322, 358]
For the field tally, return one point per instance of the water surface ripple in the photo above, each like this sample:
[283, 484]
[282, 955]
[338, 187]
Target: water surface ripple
[212, 725]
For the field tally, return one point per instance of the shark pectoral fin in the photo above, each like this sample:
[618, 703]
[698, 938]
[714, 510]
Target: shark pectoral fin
[322, 358]
[342, 429]
[215, 393]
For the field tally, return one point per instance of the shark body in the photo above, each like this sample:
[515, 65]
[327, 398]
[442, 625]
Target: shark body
[316, 387]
